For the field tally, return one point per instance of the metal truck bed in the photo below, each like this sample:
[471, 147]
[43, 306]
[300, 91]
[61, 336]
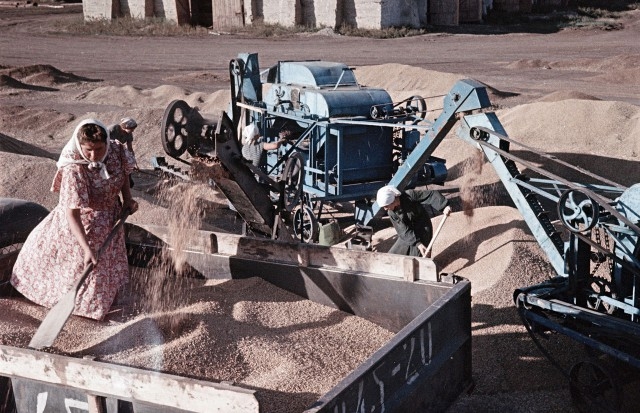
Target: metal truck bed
[425, 366]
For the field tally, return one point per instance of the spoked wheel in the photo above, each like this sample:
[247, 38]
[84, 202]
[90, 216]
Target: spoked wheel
[417, 105]
[292, 176]
[175, 136]
[593, 388]
[305, 224]
[575, 208]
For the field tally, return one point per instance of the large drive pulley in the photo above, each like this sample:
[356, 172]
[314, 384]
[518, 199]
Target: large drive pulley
[175, 136]
[184, 129]
[416, 105]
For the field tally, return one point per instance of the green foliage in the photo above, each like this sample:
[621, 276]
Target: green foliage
[605, 18]
[388, 33]
[259, 29]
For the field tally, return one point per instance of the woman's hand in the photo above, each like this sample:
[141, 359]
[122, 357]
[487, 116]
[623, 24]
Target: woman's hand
[75, 224]
[90, 257]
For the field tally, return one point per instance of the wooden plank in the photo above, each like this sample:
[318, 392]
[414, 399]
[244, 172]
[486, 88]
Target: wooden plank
[227, 13]
[126, 383]
[95, 404]
[410, 269]
[307, 255]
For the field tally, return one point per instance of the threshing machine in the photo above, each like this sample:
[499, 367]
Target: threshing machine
[346, 141]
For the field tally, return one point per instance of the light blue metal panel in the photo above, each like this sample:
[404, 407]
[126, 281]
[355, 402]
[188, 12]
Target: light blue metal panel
[350, 102]
[315, 73]
[627, 246]
[251, 84]
[467, 95]
[326, 103]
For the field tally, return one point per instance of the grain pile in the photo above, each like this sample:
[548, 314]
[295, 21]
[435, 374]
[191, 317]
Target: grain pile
[247, 332]
[263, 336]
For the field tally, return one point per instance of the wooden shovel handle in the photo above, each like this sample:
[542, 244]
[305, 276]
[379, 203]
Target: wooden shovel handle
[435, 235]
[87, 269]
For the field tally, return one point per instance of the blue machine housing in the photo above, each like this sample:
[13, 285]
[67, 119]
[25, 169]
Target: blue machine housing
[348, 152]
[341, 160]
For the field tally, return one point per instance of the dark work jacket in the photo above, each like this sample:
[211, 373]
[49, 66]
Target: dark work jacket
[412, 221]
[117, 133]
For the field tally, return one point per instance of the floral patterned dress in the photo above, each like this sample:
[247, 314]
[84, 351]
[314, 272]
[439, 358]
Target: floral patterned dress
[51, 258]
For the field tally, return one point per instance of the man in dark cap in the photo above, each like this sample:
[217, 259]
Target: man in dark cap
[123, 133]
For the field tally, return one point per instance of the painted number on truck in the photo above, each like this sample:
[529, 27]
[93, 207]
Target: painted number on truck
[37, 397]
[41, 401]
[403, 364]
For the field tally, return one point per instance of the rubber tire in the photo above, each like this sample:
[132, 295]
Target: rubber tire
[17, 219]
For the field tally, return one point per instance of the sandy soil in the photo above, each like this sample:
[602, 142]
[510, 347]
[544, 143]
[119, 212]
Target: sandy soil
[573, 94]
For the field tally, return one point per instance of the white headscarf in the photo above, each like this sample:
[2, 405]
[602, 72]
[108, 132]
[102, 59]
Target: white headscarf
[386, 195]
[250, 133]
[72, 154]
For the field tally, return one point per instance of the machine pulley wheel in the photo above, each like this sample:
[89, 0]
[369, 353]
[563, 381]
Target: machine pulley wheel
[175, 136]
[416, 104]
[292, 177]
[478, 134]
[305, 224]
[593, 388]
[575, 208]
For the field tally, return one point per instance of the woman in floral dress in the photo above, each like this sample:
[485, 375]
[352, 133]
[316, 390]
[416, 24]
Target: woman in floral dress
[92, 173]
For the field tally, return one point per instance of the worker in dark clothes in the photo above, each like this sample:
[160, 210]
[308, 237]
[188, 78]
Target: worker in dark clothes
[410, 218]
[123, 133]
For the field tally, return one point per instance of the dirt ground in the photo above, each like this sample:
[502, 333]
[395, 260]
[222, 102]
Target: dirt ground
[572, 93]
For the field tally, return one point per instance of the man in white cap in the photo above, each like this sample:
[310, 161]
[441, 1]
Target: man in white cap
[254, 148]
[410, 218]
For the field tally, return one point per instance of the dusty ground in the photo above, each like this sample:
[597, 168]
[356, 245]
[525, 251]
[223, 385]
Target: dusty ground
[575, 94]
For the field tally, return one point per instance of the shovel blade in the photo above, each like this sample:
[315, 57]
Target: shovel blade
[53, 323]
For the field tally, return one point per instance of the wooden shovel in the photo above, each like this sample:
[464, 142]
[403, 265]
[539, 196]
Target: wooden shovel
[57, 317]
[435, 234]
